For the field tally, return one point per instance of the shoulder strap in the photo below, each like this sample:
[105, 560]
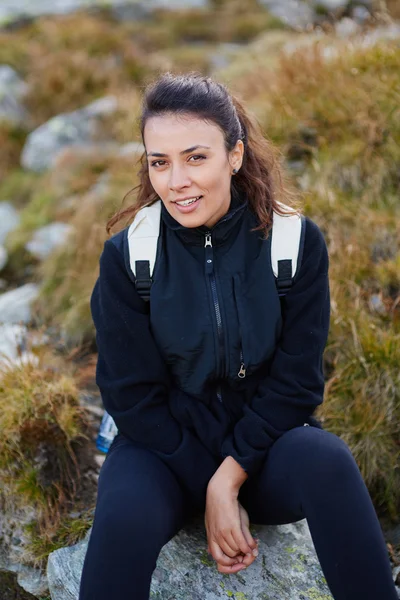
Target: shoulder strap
[143, 236]
[286, 247]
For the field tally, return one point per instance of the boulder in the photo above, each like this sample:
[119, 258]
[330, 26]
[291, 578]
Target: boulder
[76, 128]
[15, 304]
[13, 10]
[47, 238]
[3, 257]
[295, 13]
[287, 567]
[9, 220]
[12, 91]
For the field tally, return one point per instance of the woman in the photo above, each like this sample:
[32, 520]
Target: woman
[211, 382]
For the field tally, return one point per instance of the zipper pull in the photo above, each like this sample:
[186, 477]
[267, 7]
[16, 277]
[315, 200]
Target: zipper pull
[242, 371]
[209, 254]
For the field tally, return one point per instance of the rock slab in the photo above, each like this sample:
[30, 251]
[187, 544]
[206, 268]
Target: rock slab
[287, 568]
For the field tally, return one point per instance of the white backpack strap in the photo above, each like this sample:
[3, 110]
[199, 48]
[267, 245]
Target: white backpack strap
[143, 236]
[285, 247]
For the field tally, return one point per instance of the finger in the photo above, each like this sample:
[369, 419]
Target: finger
[244, 519]
[241, 541]
[248, 559]
[228, 545]
[220, 556]
[232, 569]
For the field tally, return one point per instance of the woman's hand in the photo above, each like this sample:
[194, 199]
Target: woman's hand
[227, 524]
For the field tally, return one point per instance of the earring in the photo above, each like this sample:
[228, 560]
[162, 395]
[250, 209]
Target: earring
[234, 171]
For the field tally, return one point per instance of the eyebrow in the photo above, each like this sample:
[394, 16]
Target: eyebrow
[160, 154]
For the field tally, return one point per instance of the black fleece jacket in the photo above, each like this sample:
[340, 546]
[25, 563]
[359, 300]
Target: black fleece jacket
[192, 433]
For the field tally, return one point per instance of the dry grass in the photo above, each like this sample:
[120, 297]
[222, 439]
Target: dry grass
[350, 103]
[333, 105]
[12, 139]
[69, 274]
[41, 428]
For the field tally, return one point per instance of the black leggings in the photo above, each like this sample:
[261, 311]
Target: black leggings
[309, 473]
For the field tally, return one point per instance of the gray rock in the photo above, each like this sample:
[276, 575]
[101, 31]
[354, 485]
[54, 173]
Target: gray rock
[11, 339]
[9, 220]
[15, 304]
[383, 32]
[131, 148]
[3, 257]
[331, 5]
[286, 567]
[13, 519]
[346, 27]
[376, 304]
[12, 91]
[76, 128]
[11, 10]
[47, 238]
[360, 14]
[295, 13]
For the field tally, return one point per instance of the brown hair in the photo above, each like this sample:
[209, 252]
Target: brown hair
[260, 178]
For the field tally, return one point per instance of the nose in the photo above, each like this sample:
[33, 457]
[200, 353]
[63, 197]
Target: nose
[178, 178]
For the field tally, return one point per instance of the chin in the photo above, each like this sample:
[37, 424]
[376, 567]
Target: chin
[190, 221]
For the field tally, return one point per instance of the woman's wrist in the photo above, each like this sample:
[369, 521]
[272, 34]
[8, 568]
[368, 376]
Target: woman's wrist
[232, 473]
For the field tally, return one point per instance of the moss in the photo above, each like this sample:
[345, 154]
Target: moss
[314, 594]
[206, 559]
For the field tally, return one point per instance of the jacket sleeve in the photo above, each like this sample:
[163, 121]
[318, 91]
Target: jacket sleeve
[294, 386]
[133, 379]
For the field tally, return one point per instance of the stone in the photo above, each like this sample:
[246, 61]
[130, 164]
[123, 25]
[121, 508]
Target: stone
[11, 340]
[14, 10]
[360, 14]
[9, 588]
[346, 27]
[9, 220]
[3, 257]
[15, 304]
[287, 567]
[12, 91]
[131, 148]
[76, 128]
[295, 13]
[47, 238]
[331, 5]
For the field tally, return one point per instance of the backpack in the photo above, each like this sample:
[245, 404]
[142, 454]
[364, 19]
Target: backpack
[286, 247]
[287, 244]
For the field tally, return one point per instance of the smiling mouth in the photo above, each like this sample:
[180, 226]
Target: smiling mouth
[187, 202]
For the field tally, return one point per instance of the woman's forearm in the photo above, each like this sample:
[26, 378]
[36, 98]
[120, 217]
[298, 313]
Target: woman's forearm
[231, 473]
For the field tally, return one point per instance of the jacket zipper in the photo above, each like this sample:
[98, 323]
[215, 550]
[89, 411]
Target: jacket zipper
[242, 370]
[210, 272]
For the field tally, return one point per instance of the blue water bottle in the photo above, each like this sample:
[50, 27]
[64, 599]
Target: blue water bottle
[107, 432]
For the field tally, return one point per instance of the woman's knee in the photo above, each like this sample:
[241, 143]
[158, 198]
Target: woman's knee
[138, 496]
[316, 453]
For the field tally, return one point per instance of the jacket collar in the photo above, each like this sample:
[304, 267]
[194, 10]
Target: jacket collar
[220, 231]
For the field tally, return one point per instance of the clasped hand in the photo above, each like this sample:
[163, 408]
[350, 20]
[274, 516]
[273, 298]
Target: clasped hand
[227, 524]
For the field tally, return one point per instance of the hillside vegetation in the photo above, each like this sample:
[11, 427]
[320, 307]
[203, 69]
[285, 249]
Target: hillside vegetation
[331, 104]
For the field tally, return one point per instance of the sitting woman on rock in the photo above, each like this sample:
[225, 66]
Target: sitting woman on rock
[212, 312]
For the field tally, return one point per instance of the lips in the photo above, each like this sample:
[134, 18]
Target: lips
[187, 198]
[190, 207]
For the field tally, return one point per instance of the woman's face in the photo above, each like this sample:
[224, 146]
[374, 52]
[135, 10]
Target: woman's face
[187, 158]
